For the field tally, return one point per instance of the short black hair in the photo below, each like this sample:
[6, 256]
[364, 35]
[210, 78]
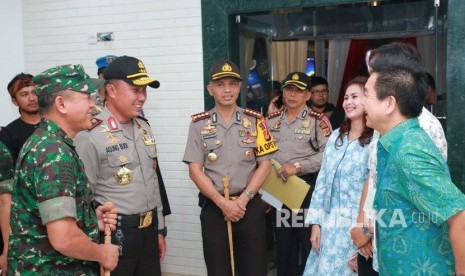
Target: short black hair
[317, 80]
[392, 54]
[406, 84]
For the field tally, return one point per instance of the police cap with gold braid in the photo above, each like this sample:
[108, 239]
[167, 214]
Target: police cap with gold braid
[224, 68]
[130, 70]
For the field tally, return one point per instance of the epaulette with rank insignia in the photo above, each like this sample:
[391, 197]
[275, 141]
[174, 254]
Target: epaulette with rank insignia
[324, 123]
[252, 113]
[275, 114]
[95, 122]
[315, 114]
[200, 116]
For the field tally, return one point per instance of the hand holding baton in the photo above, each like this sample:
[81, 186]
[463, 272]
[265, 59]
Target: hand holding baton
[107, 239]
[228, 223]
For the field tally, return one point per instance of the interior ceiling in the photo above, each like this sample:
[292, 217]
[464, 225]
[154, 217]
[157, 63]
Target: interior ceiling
[399, 18]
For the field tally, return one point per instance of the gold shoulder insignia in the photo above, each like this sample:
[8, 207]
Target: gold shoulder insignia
[314, 114]
[200, 116]
[95, 122]
[252, 113]
[274, 114]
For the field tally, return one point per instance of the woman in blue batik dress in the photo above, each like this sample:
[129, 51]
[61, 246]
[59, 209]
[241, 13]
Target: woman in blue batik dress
[335, 202]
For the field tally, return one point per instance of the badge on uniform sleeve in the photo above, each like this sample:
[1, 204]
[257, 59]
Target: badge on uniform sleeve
[124, 176]
[265, 141]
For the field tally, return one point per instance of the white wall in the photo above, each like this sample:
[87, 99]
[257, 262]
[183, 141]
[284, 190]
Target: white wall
[166, 36]
[11, 46]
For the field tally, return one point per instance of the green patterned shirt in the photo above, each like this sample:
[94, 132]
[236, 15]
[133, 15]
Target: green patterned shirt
[6, 169]
[415, 197]
[50, 184]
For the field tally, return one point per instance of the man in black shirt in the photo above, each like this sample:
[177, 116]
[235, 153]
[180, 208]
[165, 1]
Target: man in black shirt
[21, 89]
[319, 101]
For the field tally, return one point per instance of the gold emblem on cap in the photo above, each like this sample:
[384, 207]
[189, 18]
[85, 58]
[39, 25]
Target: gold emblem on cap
[295, 77]
[141, 65]
[226, 67]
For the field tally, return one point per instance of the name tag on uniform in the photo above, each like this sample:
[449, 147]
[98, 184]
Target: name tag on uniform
[302, 131]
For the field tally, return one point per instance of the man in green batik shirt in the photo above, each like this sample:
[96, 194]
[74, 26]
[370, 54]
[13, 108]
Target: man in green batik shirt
[421, 218]
[53, 225]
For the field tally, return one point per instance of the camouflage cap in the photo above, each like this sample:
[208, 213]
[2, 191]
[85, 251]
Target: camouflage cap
[64, 77]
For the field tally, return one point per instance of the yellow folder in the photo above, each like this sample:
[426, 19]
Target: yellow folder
[291, 193]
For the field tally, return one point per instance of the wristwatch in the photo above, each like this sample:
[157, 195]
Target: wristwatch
[249, 193]
[297, 166]
[163, 231]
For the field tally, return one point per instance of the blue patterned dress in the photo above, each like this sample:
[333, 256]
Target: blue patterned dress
[335, 203]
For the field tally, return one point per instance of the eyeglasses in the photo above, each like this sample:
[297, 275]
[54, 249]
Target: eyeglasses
[321, 92]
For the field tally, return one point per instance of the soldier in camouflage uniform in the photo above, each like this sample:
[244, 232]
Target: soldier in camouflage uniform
[6, 169]
[6, 181]
[53, 225]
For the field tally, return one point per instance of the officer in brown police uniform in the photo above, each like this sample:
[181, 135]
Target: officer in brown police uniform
[301, 135]
[229, 141]
[119, 154]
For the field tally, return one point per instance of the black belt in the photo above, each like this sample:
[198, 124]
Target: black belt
[142, 220]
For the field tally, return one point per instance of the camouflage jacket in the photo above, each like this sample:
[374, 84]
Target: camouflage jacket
[49, 184]
[6, 170]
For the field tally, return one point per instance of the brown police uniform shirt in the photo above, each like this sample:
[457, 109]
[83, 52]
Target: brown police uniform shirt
[295, 138]
[108, 149]
[227, 150]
